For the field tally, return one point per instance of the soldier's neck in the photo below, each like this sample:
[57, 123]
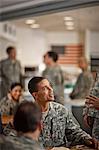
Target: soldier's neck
[44, 106]
[32, 135]
[52, 63]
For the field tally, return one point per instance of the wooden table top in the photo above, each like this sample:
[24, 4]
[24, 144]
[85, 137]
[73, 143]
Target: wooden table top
[81, 147]
[77, 147]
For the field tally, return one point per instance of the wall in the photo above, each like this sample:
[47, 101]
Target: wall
[4, 43]
[92, 43]
[32, 44]
[64, 38]
[7, 37]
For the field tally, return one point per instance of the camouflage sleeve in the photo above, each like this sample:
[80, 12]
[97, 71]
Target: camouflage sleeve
[74, 133]
[94, 91]
[77, 87]
[4, 106]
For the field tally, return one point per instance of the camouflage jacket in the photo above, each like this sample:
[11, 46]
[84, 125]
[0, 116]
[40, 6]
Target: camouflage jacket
[59, 128]
[55, 76]
[19, 143]
[8, 106]
[82, 86]
[92, 112]
[9, 72]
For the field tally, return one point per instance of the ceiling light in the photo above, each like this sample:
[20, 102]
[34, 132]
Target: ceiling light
[68, 18]
[70, 28]
[35, 26]
[30, 21]
[69, 23]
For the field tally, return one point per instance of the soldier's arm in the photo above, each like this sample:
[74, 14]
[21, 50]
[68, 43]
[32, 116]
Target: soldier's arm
[74, 133]
[4, 106]
[77, 88]
[94, 91]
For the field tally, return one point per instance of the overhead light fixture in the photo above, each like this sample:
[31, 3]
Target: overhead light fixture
[30, 21]
[68, 18]
[70, 27]
[35, 26]
[69, 23]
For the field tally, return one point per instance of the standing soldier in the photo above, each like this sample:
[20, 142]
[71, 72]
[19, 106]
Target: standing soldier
[84, 81]
[54, 74]
[91, 112]
[10, 71]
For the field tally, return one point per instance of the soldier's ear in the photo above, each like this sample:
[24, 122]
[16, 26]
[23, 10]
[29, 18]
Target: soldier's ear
[34, 95]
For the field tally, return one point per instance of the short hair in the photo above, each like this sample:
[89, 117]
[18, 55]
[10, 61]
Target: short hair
[53, 55]
[27, 117]
[9, 49]
[13, 85]
[32, 85]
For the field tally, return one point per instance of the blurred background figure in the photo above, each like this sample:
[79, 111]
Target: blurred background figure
[9, 103]
[84, 81]
[10, 71]
[54, 74]
[91, 111]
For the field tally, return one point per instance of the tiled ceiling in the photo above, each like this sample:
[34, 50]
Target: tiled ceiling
[84, 18]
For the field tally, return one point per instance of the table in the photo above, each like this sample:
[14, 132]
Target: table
[81, 147]
[77, 147]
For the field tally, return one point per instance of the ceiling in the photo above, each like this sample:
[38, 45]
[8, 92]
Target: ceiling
[10, 3]
[84, 18]
[14, 9]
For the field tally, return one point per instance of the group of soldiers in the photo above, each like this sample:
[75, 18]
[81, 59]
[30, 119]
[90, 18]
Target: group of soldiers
[46, 123]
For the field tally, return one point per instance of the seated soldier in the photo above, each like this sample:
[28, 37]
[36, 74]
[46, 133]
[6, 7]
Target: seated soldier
[27, 123]
[58, 128]
[9, 103]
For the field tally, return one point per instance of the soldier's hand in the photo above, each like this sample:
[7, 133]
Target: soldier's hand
[60, 148]
[86, 121]
[96, 143]
[93, 143]
[92, 101]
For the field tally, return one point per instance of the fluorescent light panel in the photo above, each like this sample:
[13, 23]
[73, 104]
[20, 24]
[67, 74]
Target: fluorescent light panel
[30, 21]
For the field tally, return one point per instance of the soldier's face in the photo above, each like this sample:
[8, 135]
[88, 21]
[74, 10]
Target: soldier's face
[13, 54]
[46, 59]
[16, 92]
[45, 92]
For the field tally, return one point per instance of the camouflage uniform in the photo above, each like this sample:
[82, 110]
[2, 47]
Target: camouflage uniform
[19, 143]
[59, 128]
[54, 75]
[9, 72]
[8, 106]
[83, 85]
[92, 112]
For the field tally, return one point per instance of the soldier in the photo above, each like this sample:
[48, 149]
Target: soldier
[10, 71]
[84, 81]
[9, 103]
[91, 112]
[58, 128]
[54, 74]
[27, 123]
